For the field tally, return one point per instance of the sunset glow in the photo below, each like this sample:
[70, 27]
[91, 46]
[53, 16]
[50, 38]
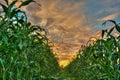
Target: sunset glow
[60, 39]
[71, 23]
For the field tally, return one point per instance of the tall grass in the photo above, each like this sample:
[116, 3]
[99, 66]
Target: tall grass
[24, 52]
[99, 61]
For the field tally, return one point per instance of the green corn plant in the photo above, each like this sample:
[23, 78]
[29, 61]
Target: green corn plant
[99, 61]
[24, 53]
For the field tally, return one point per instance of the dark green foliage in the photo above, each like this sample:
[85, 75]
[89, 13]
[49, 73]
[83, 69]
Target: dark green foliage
[26, 3]
[99, 61]
[24, 52]
[26, 55]
[80, 68]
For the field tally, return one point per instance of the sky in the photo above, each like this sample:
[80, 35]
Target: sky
[71, 23]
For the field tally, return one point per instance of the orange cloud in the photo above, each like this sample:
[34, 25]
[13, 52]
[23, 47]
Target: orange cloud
[66, 23]
[66, 15]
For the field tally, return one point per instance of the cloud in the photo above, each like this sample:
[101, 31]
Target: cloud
[71, 23]
[62, 19]
[66, 23]
[109, 17]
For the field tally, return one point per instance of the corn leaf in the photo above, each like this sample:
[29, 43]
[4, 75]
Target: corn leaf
[103, 33]
[20, 45]
[117, 28]
[5, 8]
[14, 11]
[2, 62]
[12, 4]
[110, 31]
[26, 3]
[116, 25]
[6, 2]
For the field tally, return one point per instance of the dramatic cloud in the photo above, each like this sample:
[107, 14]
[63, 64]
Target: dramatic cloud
[70, 23]
[67, 25]
[62, 19]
